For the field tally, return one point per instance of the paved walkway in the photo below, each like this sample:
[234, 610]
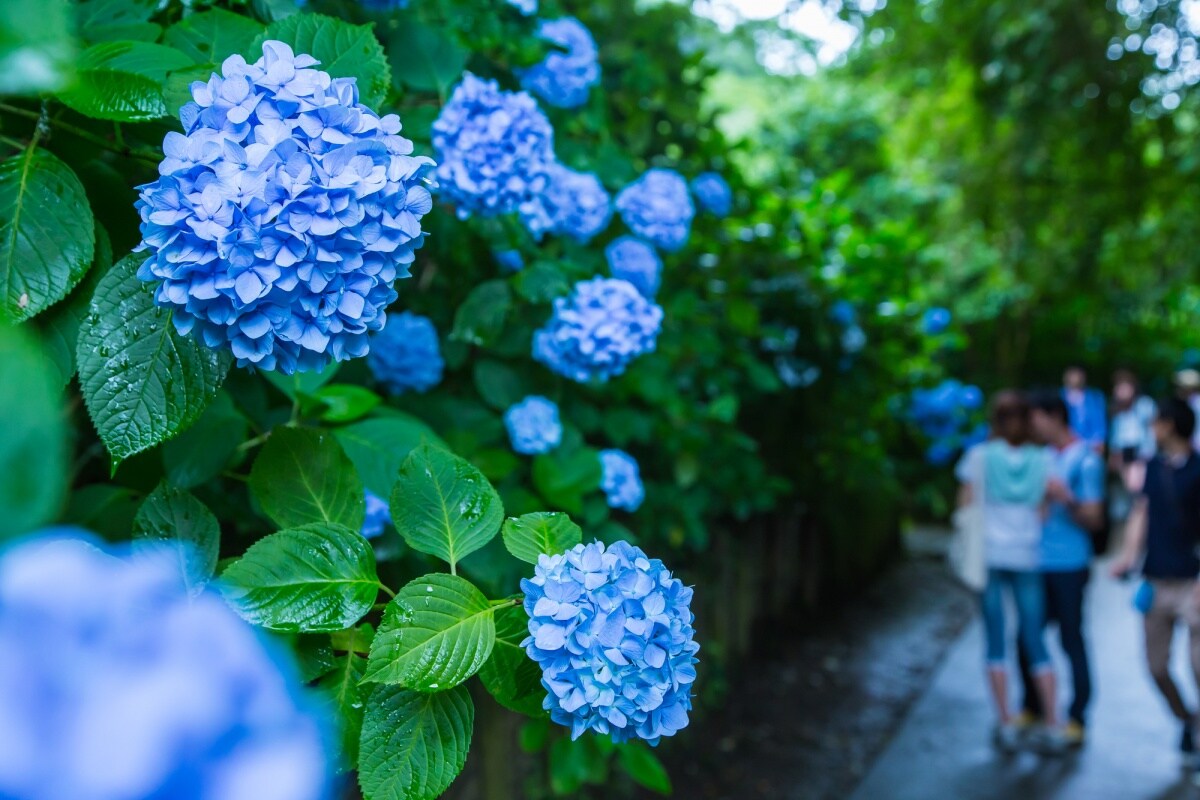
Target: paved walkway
[943, 749]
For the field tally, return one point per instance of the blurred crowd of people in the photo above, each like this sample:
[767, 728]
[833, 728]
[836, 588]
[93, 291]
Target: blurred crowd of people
[1062, 475]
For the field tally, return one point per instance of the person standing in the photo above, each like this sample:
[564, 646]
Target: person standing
[1086, 407]
[1164, 527]
[1130, 442]
[1009, 474]
[1187, 384]
[1075, 511]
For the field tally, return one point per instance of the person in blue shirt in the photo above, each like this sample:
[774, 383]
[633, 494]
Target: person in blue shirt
[1085, 407]
[1075, 510]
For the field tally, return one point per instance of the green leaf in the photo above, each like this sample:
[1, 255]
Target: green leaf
[444, 506]
[60, 323]
[302, 384]
[95, 13]
[33, 438]
[510, 675]
[644, 767]
[173, 517]
[413, 744]
[436, 633]
[342, 688]
[499, 384]
[541, 283]
[425, 58]
[47, 234]
[149, 60]
[542, 532]
[36, 46]
[142, 382]
[302, 475]
[378, 447]
[212, 36]
[565, 475]
[345, 402]
[201, 452]
[344, 50]
[177, 88]
[481, 317]
[314, 578]
[123, 81]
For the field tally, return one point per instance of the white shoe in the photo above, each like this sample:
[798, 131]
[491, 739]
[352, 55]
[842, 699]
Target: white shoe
[1049, 741]
[1006, 737]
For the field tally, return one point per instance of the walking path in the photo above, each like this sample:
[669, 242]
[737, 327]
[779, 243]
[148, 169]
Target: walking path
[943, 750]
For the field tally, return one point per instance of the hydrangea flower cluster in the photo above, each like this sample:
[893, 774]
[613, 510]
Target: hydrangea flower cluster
[935, 320]
[631, 259]
[533, 425]
[612, 632]
[383, 5]
[493, 147]
[947, 415]
[405, 355]
[572, 204]
[595, 332]
[621, 480]
[526, 7]
[510, 260]
[713, 194]
[842, 312]
[282, 215]
[379, 514]
[854, 339]
[658, 208]
[564, 77]
[116, 683]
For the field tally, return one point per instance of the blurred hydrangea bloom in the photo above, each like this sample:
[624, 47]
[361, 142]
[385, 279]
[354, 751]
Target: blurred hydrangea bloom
[116, 683]
[510, 260]
[621, 481]
[383, 5]
[572, 204]
[494, 148]
[658, 208]
[533, 425]
[612, 632]
[595, 332]
[379, 514]
[563, 79]
[842, 312]
[526, 7]
[405, 356]
[944, 414]
[631, 259]
[282, 215]
[854, 339]
[935, 320]
[713, 194]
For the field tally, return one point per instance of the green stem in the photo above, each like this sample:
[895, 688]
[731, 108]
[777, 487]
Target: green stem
[508, 601]
[141, 153]
[388, 591]
[255, 442]
[234, 476]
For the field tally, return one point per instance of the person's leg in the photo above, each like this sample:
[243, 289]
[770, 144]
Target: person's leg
[992, 605]
[1066, 590]
[1029, 590]
[1159, 624]
[1031, 704]
[1191, 615]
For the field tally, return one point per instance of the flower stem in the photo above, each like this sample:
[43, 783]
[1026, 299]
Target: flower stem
[141, 153]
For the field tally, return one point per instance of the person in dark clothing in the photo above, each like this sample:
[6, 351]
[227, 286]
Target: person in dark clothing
[1075, 510]
[1165, 528]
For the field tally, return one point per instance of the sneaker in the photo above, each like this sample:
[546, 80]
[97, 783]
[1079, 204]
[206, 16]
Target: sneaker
[1025, 722]
[1074, 734]
[1006, 737]
[1049, 741]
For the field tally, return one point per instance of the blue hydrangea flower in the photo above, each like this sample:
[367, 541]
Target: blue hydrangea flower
[383, 5]
[935, 320]
[853, 339]
[631, 259]
[572, 204]
[379, 514]
[621, 480]
[842, 312]
[526, 7]
[658, 208]
[533, 425]
[510, 260]
[713, 194]
[494, 149]
[117, 683]
[612, 631]
[564, 77]
[405, 355]
[941, 452]
[598, 330]
[282, 215]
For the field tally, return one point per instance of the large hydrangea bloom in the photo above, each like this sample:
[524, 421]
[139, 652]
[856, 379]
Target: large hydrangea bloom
[631, 259]
[494, 149]
[713, 193]
[598, 330]
[405, 356]
[379, 514]
[564, 77]
[621, 480]
[612, 632]
[116, 683]
[658, 208]
[572, 204]
[533, 425]
[282, 215]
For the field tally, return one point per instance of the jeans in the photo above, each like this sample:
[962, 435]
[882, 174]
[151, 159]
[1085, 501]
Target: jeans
[1029, 593]
[1064, 605]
